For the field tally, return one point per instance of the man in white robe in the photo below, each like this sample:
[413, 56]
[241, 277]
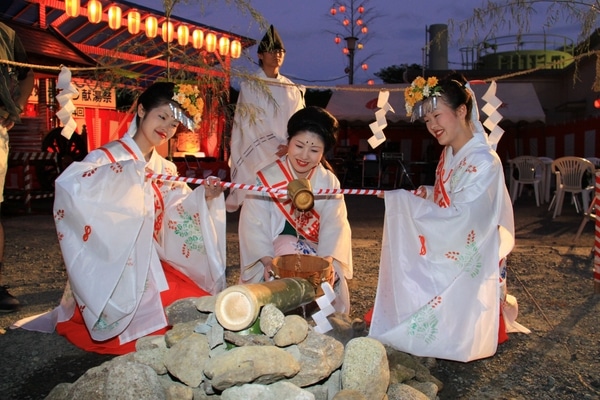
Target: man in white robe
[265, 103]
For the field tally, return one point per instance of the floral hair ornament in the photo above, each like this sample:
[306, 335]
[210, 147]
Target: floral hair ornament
[420, 90]
[192, 105]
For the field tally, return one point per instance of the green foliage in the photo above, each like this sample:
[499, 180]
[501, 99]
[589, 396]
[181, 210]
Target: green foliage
[398, 73]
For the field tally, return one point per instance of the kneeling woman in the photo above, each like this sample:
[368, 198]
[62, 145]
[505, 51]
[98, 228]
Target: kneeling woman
[270, 225]
[133, 245]
[442, 290]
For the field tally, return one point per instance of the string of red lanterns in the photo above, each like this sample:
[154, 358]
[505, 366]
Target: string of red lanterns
[199, 39]
[355, 24]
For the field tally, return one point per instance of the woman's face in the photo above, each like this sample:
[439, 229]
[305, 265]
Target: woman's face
[157, 126]
[448, 126]
[305, 150]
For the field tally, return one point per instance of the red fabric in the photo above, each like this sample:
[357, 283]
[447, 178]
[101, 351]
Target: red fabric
[180, 287]
[369, 316]
[502, 335]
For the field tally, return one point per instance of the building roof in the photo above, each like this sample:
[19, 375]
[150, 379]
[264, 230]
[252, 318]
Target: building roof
[54, 38]
[49, 47]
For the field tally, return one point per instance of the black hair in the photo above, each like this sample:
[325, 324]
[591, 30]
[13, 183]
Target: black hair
[454, 92]
[316, 120]
[156, 95]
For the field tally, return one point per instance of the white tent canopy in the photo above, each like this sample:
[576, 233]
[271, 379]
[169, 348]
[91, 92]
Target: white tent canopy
[359, 102]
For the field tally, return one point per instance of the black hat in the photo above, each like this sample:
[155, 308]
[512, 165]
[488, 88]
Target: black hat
[271, 41]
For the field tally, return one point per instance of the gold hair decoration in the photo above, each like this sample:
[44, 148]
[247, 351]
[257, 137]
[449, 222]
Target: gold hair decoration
[188, 97]
[419, 90]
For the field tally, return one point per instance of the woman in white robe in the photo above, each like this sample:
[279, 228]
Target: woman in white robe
[442, 270]
[271, 226]
[131, 244]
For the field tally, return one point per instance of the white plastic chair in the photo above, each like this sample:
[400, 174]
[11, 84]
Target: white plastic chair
[595, 161]
[529, 170]
[570, 172]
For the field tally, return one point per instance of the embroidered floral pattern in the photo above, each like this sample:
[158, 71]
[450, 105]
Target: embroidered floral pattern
[468, 260]
[116, 167]
[423, 324]
[188, 228]
[89, 173]
[102, 325]
[60, 214]
[461, 168]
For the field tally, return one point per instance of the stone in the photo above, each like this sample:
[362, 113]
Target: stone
[247, 340]
[187, 358]
[349, 394]
[400, 373]
[400, 391]
[271, 320]
[250, 364]
[365, 368]
[59, 392]
[293, 331]
[154, 358]
[131, 380]
[275, 391]
[429, 388]
[183, 310]
[319, 355]
[180, 332]
[206, 304]
[150, 342]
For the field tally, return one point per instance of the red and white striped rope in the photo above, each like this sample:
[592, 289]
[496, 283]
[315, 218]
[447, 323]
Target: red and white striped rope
[257, 188]
[597, 238]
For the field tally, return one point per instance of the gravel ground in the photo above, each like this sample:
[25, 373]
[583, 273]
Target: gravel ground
[549, 273]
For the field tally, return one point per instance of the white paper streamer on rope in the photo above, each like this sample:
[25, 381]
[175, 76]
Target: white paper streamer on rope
[494, 117]
[66, 91]
[324, 303]
[380, 123]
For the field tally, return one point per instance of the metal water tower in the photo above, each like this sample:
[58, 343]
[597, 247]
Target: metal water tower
[437, 45]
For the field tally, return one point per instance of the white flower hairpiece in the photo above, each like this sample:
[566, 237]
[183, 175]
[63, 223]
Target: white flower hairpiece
[188, 97]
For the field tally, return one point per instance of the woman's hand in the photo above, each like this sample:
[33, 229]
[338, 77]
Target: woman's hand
[268, 273]
[6, 120]
[212, 187]
[421, 192]
[281, 150]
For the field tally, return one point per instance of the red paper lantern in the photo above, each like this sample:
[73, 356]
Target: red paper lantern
[337, 40]
[333, 11]
[361, 9]
[342, 9]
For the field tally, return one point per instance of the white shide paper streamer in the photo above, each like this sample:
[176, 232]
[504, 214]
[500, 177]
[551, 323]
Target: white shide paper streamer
[66, 92]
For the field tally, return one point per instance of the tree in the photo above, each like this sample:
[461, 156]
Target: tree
[398, 73]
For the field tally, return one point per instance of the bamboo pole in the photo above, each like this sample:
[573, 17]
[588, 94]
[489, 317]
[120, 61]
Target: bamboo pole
[238, 307]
